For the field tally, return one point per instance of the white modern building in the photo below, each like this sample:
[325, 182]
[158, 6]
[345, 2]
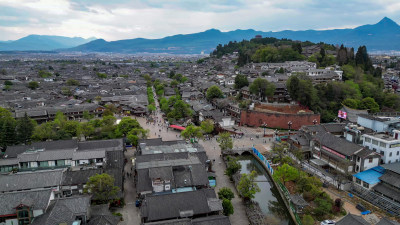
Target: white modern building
[387, 146]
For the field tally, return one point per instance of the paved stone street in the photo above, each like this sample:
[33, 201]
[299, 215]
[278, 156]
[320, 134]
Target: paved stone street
[158, 129]
[130, 212]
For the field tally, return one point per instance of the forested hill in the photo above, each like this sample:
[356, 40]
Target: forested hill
[361, 88]
[276, 50]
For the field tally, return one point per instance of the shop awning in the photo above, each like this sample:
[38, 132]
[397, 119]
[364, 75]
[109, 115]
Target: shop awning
[177, 127]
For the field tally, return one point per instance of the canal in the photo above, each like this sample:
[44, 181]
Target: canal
[268, 198]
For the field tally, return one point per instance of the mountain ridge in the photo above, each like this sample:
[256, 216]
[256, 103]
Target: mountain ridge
[35, 42]
[382, 36]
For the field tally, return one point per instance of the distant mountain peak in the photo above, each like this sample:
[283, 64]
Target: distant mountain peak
[212, 30]
[387, 22]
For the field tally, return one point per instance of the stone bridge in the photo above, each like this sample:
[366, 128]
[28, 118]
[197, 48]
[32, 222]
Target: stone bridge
[237, 151]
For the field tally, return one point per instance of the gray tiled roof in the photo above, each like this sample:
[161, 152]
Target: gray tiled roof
[64, 210]
[178, 203]
[13, 151]
[104, 220]
[35, 199]
[93, 154]
[31, 180]
[388, 191]
[46, 155]
[207, 220]
[9, 162]
[395, 167]
[79, 177]
[108, 145]
[338, 144]
[386, 221]
[351, 219]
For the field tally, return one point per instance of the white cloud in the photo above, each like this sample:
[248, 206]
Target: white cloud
[113, 20]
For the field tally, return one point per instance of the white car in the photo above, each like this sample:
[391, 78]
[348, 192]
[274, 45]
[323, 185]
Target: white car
[328, 222]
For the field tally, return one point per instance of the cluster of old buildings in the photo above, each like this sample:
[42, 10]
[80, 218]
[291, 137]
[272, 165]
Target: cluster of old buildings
[174, 183]
[362, 146]
[43, 183]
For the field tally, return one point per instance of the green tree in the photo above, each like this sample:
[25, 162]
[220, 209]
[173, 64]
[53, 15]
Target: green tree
[110, 110]
[352, 103]
[71, 128]
[227, 207]
[25, 128]
[180, 109]
[151, 108]
[232, 166]
[44, 74]
[226, 193]
[72, 82]
[241, 81]
[174, 83]
[225, 141]
[66, 91]
[286, 173]
[7, 82]
[87, 115]
[297, 47]
[45, 131]
[369, 103]
[126, 125]
[262, 88]
[101, 186]
[247, 187]
[86, 129]
[136, 133]
[207, 126]
[280, 150]
[214, 92]
[307, 220]
[323, 207]
[33, 85]
[192, 131]
[101, 75]
[292, 85]
[7, 134]
[362, 59]
[108, 121]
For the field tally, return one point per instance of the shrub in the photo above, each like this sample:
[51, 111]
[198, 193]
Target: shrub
[307, 220]
[232, 167]
[225, 193]
[228, 207]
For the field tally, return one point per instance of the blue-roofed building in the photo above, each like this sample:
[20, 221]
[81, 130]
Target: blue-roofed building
[369, 178]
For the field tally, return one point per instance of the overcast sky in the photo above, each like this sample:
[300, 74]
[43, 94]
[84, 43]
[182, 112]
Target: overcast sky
[123, 19]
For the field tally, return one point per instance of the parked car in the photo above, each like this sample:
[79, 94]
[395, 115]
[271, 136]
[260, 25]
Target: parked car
[328, 222]
[361, 207]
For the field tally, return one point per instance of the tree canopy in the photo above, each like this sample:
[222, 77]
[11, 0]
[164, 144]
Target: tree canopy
[241, 81]
[214, 92]
[207, 126]
[225, 141]
[262, 88]
[247, 186]
[192, 131]
[101, 186]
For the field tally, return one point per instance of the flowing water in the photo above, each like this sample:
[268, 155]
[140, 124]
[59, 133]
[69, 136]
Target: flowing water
[268, 198]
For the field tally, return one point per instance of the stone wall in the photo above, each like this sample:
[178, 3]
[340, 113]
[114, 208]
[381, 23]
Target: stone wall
[277, 120]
